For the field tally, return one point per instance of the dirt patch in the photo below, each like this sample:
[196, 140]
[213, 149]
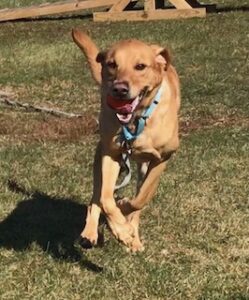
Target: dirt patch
[49, 129]
[26, 129]
[188, 126]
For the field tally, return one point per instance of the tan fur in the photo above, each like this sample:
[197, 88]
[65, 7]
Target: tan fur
[150, 150]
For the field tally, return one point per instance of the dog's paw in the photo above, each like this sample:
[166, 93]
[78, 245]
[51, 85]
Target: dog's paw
[135, 246]
[87, 238]
[123, 232]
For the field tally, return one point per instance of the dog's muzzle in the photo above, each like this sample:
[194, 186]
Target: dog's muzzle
[124, 108]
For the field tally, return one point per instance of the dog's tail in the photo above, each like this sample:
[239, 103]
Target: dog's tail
[90, 50]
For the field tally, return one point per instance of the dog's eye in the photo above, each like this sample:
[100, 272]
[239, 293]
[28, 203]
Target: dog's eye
[140, 67]
[111, 64]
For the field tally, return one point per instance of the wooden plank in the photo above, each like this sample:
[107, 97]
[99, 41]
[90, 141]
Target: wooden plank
[180, 4]
[119, 5]
[157, 14]
[51, 8]
[149, 5]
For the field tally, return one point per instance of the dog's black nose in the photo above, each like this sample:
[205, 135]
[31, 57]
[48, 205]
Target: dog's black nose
[120, 90]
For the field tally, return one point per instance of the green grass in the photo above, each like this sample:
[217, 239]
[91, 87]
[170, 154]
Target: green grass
[196, 228]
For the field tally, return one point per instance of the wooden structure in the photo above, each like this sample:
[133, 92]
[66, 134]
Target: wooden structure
[119, 10]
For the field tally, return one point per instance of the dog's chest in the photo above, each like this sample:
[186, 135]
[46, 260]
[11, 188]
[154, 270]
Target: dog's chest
[140, 149]
[153, 143]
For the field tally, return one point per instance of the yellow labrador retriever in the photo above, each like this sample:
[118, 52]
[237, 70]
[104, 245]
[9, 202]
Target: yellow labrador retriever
[140, 99]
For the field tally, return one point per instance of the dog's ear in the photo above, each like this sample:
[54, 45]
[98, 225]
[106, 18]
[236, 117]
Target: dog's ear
[162, 56]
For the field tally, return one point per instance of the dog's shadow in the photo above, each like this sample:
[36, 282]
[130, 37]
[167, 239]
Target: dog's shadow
[53, 223]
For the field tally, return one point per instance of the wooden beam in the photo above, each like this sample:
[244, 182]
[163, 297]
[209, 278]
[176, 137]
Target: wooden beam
[149, 5]
[181, 4]
[119, 5]
[54, 8]
[157, 14]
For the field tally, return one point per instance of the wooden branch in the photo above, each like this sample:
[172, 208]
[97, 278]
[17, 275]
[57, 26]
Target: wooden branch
[5, 98]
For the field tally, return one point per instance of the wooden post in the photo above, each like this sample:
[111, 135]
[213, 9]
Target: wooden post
[149, 5]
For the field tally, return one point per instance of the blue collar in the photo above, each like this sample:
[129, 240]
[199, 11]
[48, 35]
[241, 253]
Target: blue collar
[141, 122]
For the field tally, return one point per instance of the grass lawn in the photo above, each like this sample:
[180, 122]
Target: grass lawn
[196, 230]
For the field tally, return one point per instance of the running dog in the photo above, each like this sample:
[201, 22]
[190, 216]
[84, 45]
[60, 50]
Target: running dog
[140, 100]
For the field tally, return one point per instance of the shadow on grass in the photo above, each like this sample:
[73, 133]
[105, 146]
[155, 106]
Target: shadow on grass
[53, 223]
[228, 9]
[52, 18]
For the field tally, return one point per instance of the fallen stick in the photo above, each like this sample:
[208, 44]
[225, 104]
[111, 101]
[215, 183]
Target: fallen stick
[5, 98]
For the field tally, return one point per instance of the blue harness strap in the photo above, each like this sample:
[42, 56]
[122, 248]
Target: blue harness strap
[130, 136]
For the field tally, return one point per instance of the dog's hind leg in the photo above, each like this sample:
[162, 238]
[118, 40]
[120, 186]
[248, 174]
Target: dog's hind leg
[149, 185]
[133, 218]
[146, 190]
[142, 169]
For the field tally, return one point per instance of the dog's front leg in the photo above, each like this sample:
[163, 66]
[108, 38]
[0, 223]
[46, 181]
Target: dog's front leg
[89, 235]
[122, 229]
[146, 191]
[106, 170]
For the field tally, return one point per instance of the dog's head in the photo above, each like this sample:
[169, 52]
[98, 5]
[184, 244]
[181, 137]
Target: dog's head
[131, 69]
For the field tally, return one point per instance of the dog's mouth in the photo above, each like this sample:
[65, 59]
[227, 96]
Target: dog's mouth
[124, 108]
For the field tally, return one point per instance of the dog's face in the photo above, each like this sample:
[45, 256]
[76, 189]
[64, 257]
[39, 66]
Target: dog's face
[131, 69]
